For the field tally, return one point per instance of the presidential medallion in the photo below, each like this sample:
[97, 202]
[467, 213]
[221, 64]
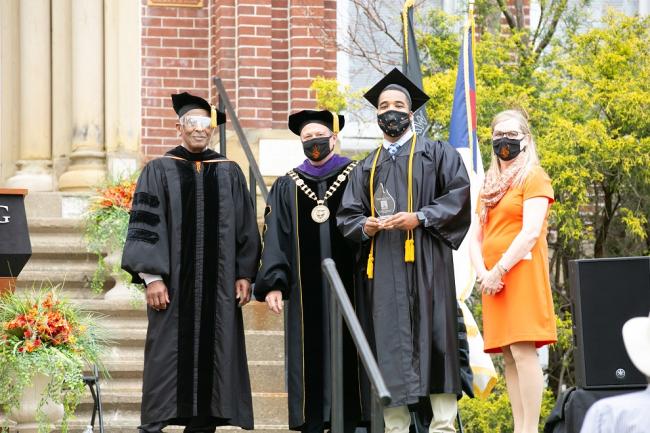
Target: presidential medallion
[320, 213]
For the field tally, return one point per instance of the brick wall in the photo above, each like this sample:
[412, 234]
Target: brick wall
[266, 52]
[175, 57]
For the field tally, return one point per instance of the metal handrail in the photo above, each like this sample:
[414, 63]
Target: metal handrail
[340, 306]
[226, 105]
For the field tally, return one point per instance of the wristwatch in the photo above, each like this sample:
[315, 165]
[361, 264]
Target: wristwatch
[421, 217]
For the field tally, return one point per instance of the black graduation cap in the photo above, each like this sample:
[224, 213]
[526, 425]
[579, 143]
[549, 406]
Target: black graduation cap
[333, 121]
[184, 102]
[418, 97]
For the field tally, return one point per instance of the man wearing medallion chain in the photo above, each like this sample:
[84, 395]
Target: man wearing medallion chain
[299, 232]
[408, 204]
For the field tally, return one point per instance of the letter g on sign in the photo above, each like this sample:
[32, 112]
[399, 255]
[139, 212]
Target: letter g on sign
[4, 219]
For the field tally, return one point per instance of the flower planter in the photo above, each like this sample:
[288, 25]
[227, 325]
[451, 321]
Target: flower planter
[26, 415]
[121, 291]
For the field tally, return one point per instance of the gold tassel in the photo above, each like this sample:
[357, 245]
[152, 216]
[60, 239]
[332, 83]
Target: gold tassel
[370, 269]
[335, 123]
[213, 117]
[409, 249]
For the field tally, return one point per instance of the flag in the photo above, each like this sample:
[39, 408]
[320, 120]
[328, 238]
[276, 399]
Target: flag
[462, 135]
[411, 65]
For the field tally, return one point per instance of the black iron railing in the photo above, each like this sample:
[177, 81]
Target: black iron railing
[255, 178]
[340, 307]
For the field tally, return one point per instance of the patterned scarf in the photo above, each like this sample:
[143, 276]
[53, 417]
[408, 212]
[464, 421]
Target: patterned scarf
[497, 184]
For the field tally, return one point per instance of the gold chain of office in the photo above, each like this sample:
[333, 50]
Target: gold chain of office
[321, 213]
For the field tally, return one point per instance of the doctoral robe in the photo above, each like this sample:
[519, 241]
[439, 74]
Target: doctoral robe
[412, 306]
[193, 223]
[294, 247]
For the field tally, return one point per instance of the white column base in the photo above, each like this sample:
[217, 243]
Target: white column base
[35, 175]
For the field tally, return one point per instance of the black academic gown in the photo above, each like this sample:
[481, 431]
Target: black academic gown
[294, 247]
[412, 307]
[193, 223]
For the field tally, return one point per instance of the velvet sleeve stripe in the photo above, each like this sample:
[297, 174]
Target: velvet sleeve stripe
[142, 235]
[144, 217]
[146, 199]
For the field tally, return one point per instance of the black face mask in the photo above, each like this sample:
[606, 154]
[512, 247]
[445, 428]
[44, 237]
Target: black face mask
[393, 122]
[317, 148]
[506, 148]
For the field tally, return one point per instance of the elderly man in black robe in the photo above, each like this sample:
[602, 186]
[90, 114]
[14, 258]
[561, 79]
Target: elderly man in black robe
[299, 232]
[408, 205]
[193, 240]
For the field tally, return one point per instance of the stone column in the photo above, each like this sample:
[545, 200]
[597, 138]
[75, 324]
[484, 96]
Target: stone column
[9, 91]
[61, 85]
[87, 161]
[122, 19]
[35, 121]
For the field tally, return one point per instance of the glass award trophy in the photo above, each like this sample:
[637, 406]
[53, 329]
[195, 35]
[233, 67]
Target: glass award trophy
[384, 202]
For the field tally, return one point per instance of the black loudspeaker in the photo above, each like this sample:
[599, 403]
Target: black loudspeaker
[606, 293]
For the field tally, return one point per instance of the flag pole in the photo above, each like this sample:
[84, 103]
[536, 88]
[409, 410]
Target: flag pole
[405, 25]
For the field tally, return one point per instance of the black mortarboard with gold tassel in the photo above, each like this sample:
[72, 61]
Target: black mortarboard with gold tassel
[184, 102]
[297, 121]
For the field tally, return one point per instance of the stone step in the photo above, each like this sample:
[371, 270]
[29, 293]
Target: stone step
[256, 314]
[122, 409]
[260, 345]
[266, 376]
[121, 421]
[59, 226]
[60, 263]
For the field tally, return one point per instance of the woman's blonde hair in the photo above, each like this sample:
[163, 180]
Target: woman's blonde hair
[530, 153]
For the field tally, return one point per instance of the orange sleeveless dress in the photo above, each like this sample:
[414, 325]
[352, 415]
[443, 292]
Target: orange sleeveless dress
[523, 309]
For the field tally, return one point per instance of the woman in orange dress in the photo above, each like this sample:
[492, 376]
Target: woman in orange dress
[510, 254]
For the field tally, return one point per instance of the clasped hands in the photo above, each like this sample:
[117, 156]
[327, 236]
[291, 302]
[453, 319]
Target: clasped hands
[157, 294]
[400, 221]
[491, 281]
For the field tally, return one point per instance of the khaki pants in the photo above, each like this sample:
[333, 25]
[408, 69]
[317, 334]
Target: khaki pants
[443, 406]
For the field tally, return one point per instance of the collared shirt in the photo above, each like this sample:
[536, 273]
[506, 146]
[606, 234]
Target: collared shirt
[149, 278]
[622, 414]
[403, 139]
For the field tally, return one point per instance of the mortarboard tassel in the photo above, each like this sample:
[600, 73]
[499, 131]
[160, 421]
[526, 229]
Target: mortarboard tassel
[370, 268]
[213, 116]
[409, 248]
[335, 123]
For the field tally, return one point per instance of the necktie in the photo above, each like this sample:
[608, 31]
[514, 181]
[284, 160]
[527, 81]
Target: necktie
[392, 149]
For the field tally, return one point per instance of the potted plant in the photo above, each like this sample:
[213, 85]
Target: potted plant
[106, 224]
[46, 344]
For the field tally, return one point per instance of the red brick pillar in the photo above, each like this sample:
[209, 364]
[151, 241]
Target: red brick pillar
[175, 57]
[254, 63]
[305, 51]
[280, 62]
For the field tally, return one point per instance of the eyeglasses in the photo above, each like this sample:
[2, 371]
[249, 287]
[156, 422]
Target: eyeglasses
[195, 122]
[509, 134]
